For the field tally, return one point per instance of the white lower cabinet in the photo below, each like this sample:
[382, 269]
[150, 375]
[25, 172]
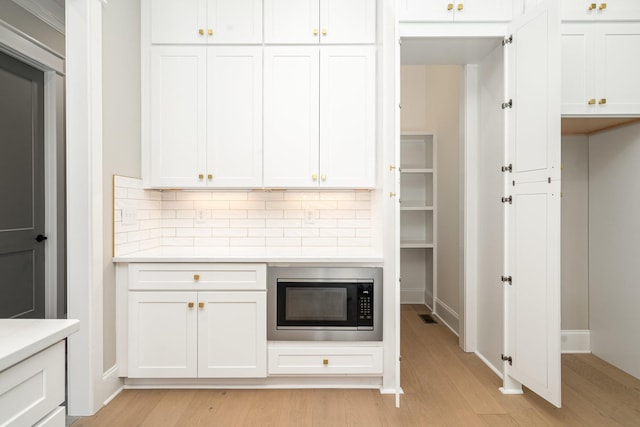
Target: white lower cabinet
[325, 360]
[31, 390]
[197, 321]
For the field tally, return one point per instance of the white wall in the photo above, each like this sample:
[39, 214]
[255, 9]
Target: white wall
[431, 101]
[121, 134]
[575, 233]
[614, 246]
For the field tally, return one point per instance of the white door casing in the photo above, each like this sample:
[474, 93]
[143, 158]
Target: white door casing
[532, 301]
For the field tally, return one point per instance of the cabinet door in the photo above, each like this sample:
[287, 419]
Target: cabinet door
[618, 68]
[234, 116]
[291, 116]
[426, 10]
[347, 116]
[578, 66]
[181, 21]
[291, 21]
[162, 335]
[178, 110]
[237, 21]
[579, 10]
[232, 334]
[348, 21]
[483, 10]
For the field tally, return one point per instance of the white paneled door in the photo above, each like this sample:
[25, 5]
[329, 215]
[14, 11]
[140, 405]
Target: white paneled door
[532, 317]
[291, 21]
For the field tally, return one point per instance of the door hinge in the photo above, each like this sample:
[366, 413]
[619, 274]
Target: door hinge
[507, 168]
[507, 359]
[506, 279]
[507, 199]
[507, 104]
[508, 40]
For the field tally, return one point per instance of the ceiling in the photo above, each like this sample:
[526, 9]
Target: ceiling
[446, 50]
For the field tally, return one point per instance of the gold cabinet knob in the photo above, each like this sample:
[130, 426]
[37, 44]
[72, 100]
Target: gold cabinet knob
[450, 6]
[210, 176]
[201, 31]
[196, 277]
[315, 31]
[392, 167]
[210, 32]
[592, 6]
[602, 101]
[323, 177]
[190, 305]
[392, 194]
[603, 6]
[460, 6]
[325, 362]
[314, 177]
[591, 101]
[324, 31]
[200, 305]
[200, 176]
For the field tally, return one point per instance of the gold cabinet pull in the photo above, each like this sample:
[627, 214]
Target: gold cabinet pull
[200, 305]
[325, 362]
[602, 101]
[196, 277]
[324, 31]
[323, 177]
[592, 6]
[603, 6]
[460, 6]
[392, 167]
[450, 6]
[591, 101]
[210, 176]
[210, 32]
[315, 31]
[190, 305]
[314, 177]
[392, 194]
[200, 176]
[201, 31]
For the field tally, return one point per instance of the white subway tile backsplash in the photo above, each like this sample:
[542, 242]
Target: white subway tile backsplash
[295, 223]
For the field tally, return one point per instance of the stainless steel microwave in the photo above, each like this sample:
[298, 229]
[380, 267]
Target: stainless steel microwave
[324, 303]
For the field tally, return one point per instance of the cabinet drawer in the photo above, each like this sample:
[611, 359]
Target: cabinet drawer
[325, 361]
[56, 418]
[187, 276]
[32, 388]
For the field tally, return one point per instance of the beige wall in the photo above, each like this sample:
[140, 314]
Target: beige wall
[575, 233]
[431, 101]
[121, 132]
[19, 18]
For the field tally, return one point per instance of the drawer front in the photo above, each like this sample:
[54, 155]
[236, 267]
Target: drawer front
[57, 418]
[188, 276]
[325, 361]
[32, 388]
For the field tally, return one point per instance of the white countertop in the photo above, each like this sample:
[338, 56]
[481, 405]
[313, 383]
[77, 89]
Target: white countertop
[22, 338]
[261, 254]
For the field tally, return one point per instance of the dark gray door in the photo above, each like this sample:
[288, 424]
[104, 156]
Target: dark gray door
[22, 287]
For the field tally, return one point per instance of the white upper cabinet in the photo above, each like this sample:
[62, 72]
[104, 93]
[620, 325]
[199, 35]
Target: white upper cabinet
[455, 11]
[599, 75]
[206, 21]
[319, 21]
[613, 10]
[206, 113]
[319, 128]
[347, 116]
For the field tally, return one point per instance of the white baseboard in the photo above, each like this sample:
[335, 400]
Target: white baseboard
[447, 316]
[112, 384]
[412, 296]
[575, 341]
[489, 364]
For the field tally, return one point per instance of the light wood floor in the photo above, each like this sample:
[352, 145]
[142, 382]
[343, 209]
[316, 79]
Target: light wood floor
[443, 387]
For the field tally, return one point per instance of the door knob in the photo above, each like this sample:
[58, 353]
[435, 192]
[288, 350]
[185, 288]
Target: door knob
[40, 238]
